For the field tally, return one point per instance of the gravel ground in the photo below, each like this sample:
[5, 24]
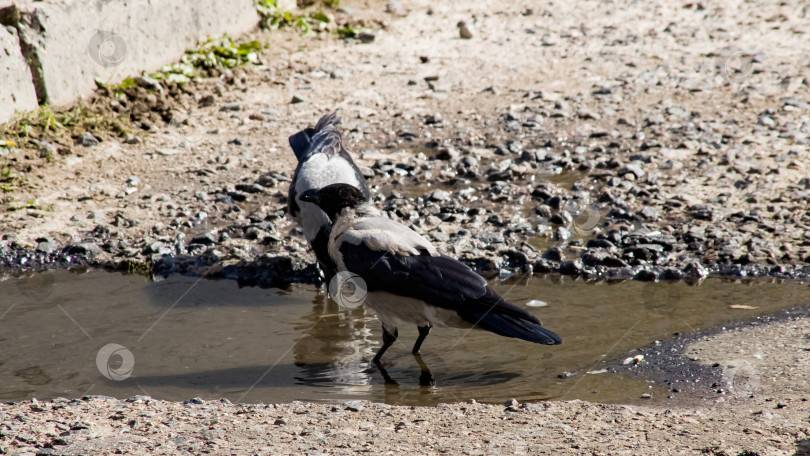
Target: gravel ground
[628, 140]
[648, 140]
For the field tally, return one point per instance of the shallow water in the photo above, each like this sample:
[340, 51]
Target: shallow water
[190, 337]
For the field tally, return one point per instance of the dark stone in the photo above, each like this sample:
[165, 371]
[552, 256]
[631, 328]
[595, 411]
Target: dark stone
[646, 276]
[209, 238]
[553, 254]
[599, 243]
[555, 202]
[541, 266]
[543, 211]
[594, 258]
[563, 218]
[571, 267]
[87, 140]
[233, 106]
[541, 193]
[85, 248]
[206, 101]
[701, 212]
[366, 37]
[671, 274]
[238, 196]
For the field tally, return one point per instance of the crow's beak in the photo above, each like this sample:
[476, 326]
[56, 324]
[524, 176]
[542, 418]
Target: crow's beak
[310, 196]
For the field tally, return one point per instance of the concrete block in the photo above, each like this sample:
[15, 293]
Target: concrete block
[70, 43]
[16, 85]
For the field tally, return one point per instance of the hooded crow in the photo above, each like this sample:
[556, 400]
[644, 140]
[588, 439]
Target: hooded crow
[322, 160]
[408, 281]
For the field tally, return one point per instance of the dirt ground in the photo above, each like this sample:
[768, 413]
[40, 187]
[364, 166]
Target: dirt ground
[683, 128]
[686, 123]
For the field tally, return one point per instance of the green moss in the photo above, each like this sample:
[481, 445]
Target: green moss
[272, 17]
[33, 204]
[222, 53]
[348, 31]
[143, 269]
[45, 121]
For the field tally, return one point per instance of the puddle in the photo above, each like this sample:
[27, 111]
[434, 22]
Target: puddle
[184, 337]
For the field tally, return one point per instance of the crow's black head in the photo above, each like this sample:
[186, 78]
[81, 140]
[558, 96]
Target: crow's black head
[334, 198]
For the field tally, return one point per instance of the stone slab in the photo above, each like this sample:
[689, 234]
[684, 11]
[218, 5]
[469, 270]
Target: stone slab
[16, 85]
[70, 43]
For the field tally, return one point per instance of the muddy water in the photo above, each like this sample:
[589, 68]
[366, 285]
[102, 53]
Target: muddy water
[184, 337]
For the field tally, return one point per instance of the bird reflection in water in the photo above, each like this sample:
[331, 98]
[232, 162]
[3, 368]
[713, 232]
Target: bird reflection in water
[337, 347]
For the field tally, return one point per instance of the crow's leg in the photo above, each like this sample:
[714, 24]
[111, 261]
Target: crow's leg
[386, 377]
[388, 339]
[425, 378]
[423, 332]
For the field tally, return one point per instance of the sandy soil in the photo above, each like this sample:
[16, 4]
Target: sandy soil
[726, 133]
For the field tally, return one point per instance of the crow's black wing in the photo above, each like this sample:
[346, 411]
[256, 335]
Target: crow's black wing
[441, 281]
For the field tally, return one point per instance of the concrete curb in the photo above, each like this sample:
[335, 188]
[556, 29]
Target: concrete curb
[70, 43]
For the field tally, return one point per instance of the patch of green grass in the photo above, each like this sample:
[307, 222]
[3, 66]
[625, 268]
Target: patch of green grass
[272, 17]
[144, 269]
[9, 180]
[216, 53]
[348, 31]
[33, 204]
[46, 121]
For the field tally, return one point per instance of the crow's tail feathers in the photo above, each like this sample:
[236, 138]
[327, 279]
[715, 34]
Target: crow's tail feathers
[512, 326]
[328, 120]
[300, 141]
